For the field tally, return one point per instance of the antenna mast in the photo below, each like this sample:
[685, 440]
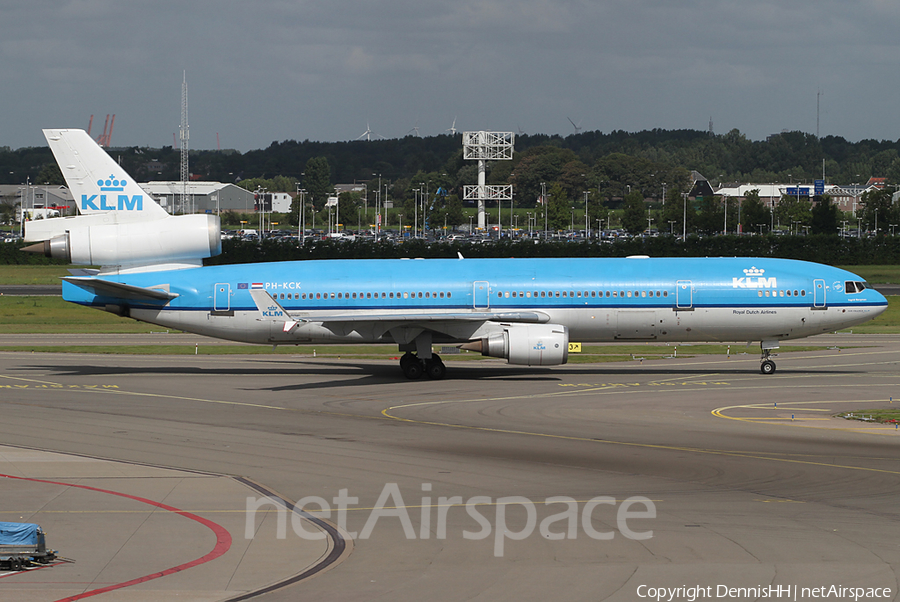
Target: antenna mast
[185, 135]
[818, 96]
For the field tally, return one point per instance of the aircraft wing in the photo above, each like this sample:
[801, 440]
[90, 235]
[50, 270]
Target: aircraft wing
[270, 308]
[102, 288]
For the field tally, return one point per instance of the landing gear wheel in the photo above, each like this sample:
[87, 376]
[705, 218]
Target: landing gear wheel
[435, 369]
[767, 367]
[412, 367]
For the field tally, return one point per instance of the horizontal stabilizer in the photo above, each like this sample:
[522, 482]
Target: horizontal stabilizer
[106, 288]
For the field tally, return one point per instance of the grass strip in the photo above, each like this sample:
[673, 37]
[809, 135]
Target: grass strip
[883, 416]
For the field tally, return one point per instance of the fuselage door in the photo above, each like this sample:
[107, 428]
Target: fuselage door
[481, 294]
[819, 294]
[684, 294]
[222, 297]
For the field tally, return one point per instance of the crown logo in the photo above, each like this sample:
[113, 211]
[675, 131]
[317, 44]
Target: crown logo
[754, 271]
[111, 184]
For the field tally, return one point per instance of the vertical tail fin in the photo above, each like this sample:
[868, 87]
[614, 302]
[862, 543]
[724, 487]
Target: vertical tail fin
[98, 183]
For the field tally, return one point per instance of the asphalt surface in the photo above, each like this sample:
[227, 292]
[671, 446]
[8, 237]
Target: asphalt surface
[677, 472]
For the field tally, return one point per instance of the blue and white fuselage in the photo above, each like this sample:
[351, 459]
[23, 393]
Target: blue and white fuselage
[461, 300]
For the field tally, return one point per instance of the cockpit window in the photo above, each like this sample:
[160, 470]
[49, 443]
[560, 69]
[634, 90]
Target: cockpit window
[854, 287]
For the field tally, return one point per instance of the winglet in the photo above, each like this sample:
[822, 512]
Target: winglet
[270, 308]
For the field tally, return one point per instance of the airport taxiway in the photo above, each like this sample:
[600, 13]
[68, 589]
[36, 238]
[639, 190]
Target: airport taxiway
[751, 479]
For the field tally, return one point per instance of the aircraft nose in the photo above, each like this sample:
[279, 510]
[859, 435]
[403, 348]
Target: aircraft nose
[879, 300]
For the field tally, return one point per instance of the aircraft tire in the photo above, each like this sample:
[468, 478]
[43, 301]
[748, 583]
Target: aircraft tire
[435, 369]
[412, 369]
[767, 367]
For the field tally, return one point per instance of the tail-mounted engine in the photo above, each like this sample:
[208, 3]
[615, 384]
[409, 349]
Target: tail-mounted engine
[85, 240]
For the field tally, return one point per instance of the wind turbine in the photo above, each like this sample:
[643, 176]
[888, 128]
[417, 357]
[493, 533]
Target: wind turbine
[368, 134]
[521, 131]
[452, 128]
[577, 127]
[415, 128]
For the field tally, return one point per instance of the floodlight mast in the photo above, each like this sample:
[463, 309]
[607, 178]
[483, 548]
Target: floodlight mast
[483, 147]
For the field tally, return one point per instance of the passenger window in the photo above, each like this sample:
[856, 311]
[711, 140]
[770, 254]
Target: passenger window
[448, 294]
[615, 293]
[802, 293]
[406, 295]
[665, 293]
[759, 293]
[789, 293]
[643, 293]
[420, 295]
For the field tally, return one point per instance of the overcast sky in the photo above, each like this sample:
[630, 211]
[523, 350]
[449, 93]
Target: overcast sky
[271, 70]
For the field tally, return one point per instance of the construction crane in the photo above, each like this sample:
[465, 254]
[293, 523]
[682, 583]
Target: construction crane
[103, 139]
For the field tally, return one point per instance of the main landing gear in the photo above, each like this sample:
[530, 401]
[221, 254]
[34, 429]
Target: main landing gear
[414, 368]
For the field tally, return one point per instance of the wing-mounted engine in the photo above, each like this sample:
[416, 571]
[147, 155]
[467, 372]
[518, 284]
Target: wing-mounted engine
[526, 344]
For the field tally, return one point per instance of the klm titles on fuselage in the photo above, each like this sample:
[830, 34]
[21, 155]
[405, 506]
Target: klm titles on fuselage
[753, 278]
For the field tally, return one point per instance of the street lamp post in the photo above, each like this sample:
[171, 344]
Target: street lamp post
[725, 229]
[544, 203]
[587, 223]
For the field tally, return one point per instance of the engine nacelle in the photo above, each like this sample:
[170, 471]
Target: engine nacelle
[526, 344]
[172, 240]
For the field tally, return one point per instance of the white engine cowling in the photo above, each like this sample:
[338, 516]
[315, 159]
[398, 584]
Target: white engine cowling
[527, 344]
[174, 239]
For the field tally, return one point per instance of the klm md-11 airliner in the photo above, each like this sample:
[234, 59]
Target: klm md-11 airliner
[523, 310]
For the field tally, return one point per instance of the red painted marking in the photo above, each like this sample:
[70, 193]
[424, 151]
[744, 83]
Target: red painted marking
[223, 539]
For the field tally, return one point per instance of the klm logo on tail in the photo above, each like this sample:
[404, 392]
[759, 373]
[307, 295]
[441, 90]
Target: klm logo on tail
[121, 202]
